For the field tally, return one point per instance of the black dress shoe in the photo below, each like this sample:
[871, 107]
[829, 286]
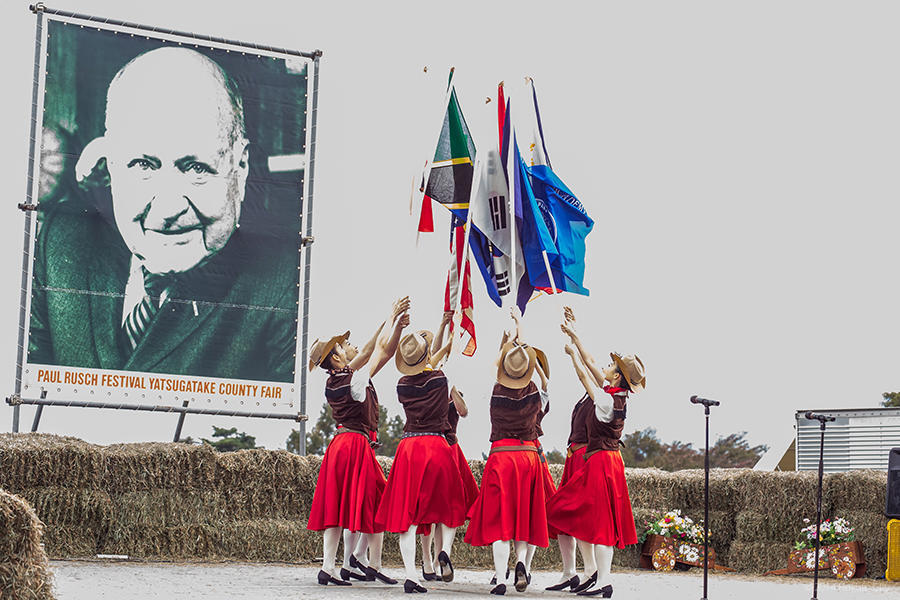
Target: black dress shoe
[411, 587]
[373, 573]
[499, 590]
[521, 580]
[444, 561]
[360, 567]
[587, 583]
[326, 578]
[571, 583]
[429, 576]
[604, 592]
[347, 574]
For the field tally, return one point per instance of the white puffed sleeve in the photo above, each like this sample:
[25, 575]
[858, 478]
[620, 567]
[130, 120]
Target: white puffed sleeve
[359, 381]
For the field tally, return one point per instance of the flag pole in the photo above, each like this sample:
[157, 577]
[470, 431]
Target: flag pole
[549, 274]
[510, 159]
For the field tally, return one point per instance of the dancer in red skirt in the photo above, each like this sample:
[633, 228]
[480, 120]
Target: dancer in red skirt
[511, 505]
[424, 485]
[576, 447]
[351, 481]
[599, 489]
[456, 408]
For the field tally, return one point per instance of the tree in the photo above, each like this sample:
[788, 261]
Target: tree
[733, 451]
[891, 399]
[555, 457]
[644, 449]
[390, 432]
[231, 440]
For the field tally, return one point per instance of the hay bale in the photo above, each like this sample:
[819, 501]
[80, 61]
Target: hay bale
[754, 526]
[38, 459]
[167, 507]
[785, 495]
[24, 571]
[758, 557]
[265, 540]
[70, 507]
[63, 542]
[871, 529]
[154, 541]
[153, 465]
[863, 489]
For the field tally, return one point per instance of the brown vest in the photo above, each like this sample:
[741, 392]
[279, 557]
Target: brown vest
[453, 420]
[424, 398]
[605, 436]
[347, 412]
[581, 412]
[514, 413]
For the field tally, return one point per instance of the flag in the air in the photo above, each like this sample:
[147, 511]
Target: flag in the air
[450, 178]
[565, 220]
[450, 184]
[490, 216]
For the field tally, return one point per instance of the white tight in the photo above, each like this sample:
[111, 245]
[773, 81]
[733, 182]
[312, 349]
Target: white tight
[603, 556]
[330, 539]
[500, 550]
[567, 552]
[351, 539]
[587, 556]
[368, 549]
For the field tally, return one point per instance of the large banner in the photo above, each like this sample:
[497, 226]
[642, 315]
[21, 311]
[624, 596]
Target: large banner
[166, 251]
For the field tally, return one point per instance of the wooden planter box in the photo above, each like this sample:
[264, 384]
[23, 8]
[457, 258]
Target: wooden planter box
[845, 561]
[666, 553]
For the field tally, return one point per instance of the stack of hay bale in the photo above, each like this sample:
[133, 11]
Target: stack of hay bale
[24, 573]
[178, 501]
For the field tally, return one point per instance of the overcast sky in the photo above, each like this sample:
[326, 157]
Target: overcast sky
[739, 159]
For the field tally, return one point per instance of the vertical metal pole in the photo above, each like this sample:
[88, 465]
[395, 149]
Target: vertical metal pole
[29, 186]
[307, 218]
[37, 417]
[819, 509]
[180, 422]
[706, 510]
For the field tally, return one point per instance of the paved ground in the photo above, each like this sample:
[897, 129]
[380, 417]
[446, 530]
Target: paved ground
[202, 581]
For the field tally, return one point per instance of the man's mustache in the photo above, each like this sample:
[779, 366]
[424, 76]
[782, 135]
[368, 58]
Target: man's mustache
[188, 219]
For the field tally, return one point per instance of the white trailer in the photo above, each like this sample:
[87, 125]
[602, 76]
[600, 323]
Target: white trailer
[856, 439]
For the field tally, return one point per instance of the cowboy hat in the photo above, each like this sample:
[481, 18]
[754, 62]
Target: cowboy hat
[516, 365]
[319, 350]
[413, 352]
[542, 361]
[632, 369]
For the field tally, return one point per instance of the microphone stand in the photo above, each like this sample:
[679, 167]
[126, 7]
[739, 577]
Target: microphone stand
[822, 420]
[706, 404]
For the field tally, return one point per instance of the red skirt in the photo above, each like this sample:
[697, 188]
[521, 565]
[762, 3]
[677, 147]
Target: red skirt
[470, 486]
[593, 505]
[573, 464]
[468, 480]
[349, 487]
[513, 499]
[423, 487]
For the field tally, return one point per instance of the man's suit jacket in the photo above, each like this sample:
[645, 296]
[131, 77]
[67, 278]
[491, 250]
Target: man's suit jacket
[234, 316]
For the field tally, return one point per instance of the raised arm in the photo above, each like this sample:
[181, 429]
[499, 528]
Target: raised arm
[568, 327]
[387, 344]
[438, 342]
[603, 405]
[540, 371]
[583, 377]
[365, 353]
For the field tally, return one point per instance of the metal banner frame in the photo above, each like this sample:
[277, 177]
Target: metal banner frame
[29, 206]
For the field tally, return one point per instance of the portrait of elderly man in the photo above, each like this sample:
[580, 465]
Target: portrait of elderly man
[155, 272]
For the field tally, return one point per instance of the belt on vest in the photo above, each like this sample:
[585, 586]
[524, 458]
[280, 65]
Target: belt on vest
[522, 448]
[419, 434]
[573, 448]
[587, 455]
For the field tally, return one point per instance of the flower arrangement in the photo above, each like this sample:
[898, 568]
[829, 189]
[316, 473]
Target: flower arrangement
[832, 531]
[674, 525]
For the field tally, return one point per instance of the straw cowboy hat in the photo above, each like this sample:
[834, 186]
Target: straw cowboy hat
[413, 352]
[516, 365]
[319, 350]
[632, 369]
[542, 361]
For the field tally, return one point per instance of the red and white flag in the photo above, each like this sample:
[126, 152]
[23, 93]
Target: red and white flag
[456, 294]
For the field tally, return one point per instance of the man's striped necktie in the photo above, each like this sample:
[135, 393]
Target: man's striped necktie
[140, 317]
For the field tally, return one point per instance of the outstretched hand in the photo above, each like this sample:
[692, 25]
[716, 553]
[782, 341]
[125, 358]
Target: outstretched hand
[569, 314]
[400, 306]
[447, 317]
[403, 322]
[570, 350]
[568, 330]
